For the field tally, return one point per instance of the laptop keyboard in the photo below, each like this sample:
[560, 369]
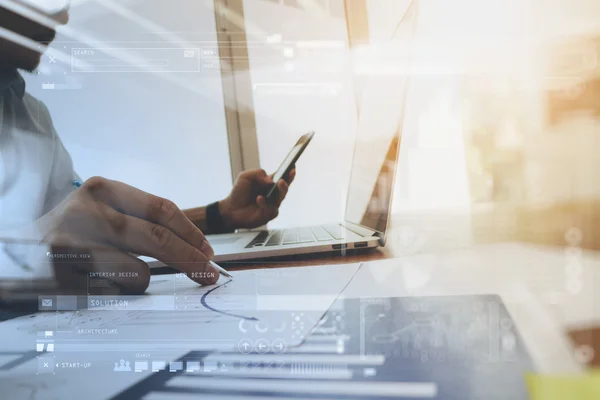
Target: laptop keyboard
[278, 237]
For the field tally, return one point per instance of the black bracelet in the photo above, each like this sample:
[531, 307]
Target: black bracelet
[214, 220]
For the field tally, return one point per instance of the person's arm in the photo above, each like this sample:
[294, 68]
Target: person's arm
[245, 207]
[100, 227]
[199, 217]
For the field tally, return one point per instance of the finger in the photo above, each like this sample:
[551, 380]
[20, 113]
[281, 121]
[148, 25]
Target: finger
[267, 211]
[282, 188]
[266, 208]
[261, 202]
[139, 236]
[291, 176]
[128, 272]
[140, 204]
[99, 271]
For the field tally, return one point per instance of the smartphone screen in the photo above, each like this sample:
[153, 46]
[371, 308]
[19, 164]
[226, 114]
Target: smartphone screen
[289, 161]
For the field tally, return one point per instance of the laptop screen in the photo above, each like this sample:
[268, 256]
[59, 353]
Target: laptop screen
[380, 108]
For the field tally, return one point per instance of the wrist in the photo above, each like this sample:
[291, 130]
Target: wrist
[226, 212]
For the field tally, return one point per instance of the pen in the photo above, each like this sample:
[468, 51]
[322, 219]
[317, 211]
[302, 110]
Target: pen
[222, 270]
[77, 183]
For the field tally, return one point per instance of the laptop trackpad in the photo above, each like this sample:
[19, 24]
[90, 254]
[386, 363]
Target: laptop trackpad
[227, 239]
[230, 242]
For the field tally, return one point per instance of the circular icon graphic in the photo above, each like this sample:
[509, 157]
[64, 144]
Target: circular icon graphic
[261, 327]
[279, 346]
[281, 328]
[245, 346]
[262, 346]
[241, 326]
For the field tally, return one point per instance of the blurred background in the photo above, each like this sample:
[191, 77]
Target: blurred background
[501, 136]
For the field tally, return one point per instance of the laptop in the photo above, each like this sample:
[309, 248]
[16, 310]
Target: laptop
[369, 201]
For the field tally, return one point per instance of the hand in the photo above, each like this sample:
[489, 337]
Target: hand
[111, 221]
[246, 206]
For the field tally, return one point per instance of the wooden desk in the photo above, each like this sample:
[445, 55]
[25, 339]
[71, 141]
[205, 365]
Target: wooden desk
[530, 278]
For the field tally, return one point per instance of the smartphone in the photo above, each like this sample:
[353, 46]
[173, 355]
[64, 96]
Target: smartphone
[288, 164]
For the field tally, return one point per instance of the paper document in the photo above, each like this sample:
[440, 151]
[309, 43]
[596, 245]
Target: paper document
[259, 310]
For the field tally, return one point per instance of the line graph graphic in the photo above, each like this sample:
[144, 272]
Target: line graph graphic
[204, 302]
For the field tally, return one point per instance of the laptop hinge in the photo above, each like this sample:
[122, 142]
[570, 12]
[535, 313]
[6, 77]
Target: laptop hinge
[359, 229]
[363, 231]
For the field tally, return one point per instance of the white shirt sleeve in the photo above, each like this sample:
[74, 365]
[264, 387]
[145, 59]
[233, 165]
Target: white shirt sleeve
[36, 174]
